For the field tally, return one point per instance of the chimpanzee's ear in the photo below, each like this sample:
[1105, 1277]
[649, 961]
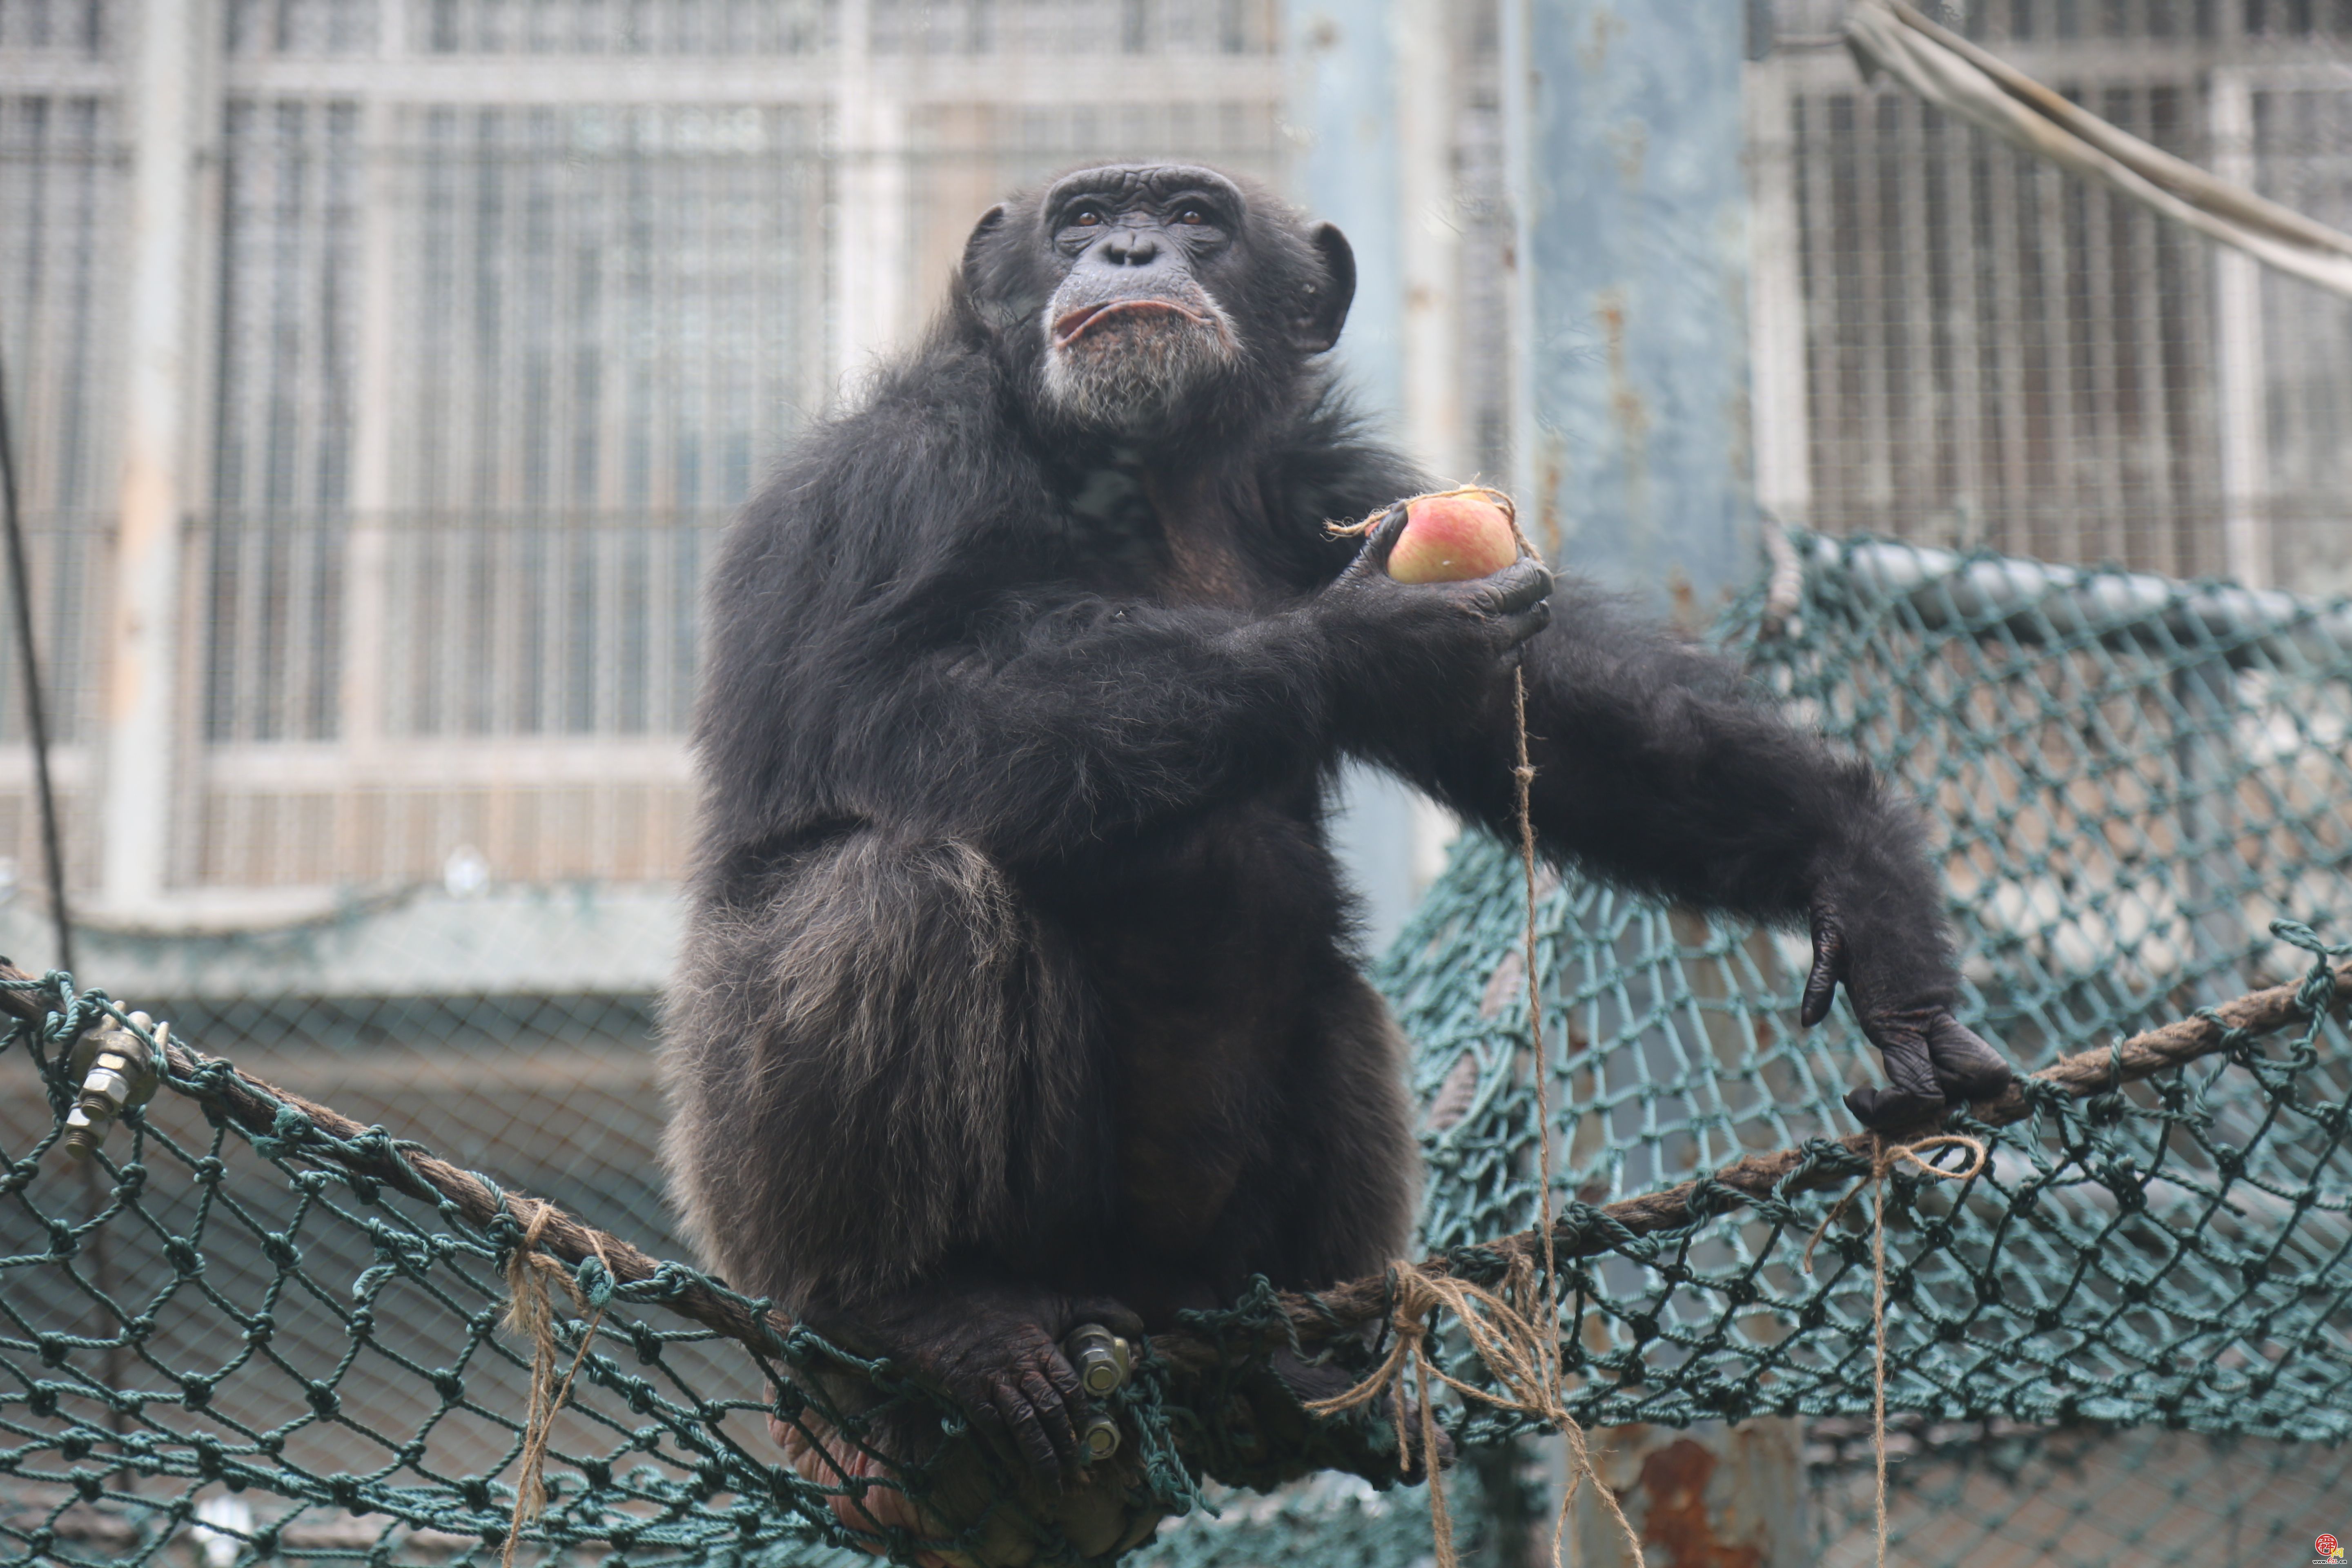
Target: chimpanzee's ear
[983, 274]
[1328, 297]
[989, 222]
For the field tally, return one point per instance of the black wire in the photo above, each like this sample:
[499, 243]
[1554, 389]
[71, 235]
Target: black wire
[36, 715]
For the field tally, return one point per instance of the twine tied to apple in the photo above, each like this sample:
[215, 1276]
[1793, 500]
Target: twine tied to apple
[1449, 536]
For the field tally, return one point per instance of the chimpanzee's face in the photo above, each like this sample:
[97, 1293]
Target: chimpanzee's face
[1140, 299]
[1135, 333]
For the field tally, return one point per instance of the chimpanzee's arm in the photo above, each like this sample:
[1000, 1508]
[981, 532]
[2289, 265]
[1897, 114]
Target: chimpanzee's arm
[896, 637]
[1043, 727]
[1657, 768]
[1084, 722]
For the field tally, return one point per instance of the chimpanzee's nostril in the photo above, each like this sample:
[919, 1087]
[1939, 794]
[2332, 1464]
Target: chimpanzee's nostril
[1130, 249]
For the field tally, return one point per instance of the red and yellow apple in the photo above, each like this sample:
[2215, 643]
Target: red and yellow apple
[1452, 537]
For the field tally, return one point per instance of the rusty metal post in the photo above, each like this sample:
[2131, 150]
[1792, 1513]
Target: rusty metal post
[1711, 1497]
[172, 98]
[1350, 99]
[1625, 159]
[1625, 156]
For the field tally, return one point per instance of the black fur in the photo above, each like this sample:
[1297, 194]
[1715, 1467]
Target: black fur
[1020, 984]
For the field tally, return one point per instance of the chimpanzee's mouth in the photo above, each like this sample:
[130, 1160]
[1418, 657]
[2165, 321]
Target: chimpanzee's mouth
[1077, 323]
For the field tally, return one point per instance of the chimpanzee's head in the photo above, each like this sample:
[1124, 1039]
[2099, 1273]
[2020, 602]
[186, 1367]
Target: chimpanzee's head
[1139, 299]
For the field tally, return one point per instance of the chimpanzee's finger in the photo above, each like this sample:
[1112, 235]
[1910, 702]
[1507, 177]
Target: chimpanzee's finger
[1020, 1419]
[1381, 538]
[1517, 629]
[1892, 1110]
[1063, 1376]
[1522, 584]
[1965, 1066]
[987, 1421]
[1111, 1313]
[1901, 1037]
[1829, 965]
[1054, 1415]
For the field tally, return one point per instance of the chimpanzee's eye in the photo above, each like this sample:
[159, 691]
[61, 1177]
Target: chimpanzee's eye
[1192, 214]
[1086, 218]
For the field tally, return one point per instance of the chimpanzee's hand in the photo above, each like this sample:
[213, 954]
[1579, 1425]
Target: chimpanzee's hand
[1932, 1058]
[1431, 641]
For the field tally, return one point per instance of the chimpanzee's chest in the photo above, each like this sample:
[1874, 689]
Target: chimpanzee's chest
[1206, 950]
[1165, 537]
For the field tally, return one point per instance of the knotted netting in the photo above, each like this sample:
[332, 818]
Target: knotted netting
[251, 1329]
[2140, 790]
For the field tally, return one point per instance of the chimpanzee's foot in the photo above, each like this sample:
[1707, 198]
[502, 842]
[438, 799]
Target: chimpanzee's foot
[860, 1481]
[996, 1350]
[1309, 1382]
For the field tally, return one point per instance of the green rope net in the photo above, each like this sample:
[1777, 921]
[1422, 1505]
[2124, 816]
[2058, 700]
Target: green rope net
[245, 1330]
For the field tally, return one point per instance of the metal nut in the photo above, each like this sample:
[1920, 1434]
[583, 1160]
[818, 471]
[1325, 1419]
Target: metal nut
[1100, 1437]
[119, 1072]
[109, 1081]
[1101, 1358]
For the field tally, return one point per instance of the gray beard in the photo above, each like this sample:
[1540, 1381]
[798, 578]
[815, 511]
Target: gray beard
[1137, 376]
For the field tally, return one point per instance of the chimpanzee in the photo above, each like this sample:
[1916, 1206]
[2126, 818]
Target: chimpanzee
[1020, 988]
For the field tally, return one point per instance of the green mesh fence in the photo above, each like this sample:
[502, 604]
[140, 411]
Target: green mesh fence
[151, 1298]
[226, 1339]
[2134, 780]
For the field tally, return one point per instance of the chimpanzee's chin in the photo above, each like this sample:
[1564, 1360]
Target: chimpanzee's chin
[1134, 383]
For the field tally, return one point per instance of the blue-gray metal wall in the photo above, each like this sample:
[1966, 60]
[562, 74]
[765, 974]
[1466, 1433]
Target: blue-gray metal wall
[1627, 342]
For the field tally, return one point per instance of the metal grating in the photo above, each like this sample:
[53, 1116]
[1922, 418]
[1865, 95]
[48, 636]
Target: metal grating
[487, 367]
[1998, 355]
[1994, 354]
[2302, 135]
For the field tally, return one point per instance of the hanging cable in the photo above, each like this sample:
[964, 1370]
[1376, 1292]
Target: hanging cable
[37, 722]
[1980, 87]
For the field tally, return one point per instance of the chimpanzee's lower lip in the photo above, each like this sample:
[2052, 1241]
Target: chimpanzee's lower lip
[1077, 323]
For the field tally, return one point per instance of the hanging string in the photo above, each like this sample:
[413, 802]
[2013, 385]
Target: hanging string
[1524, 1357]
[1580, 1454]
[529, 1312]
[1882, 1161]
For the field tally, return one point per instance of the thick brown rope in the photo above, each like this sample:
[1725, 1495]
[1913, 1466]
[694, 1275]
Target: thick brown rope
[1343, 1309]
[531, 1314]
[254, 1105]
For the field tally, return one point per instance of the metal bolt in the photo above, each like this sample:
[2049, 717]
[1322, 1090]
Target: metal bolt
[118, 1073]
[83, 1135]
[1100, 1437]
[1102, 1359]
